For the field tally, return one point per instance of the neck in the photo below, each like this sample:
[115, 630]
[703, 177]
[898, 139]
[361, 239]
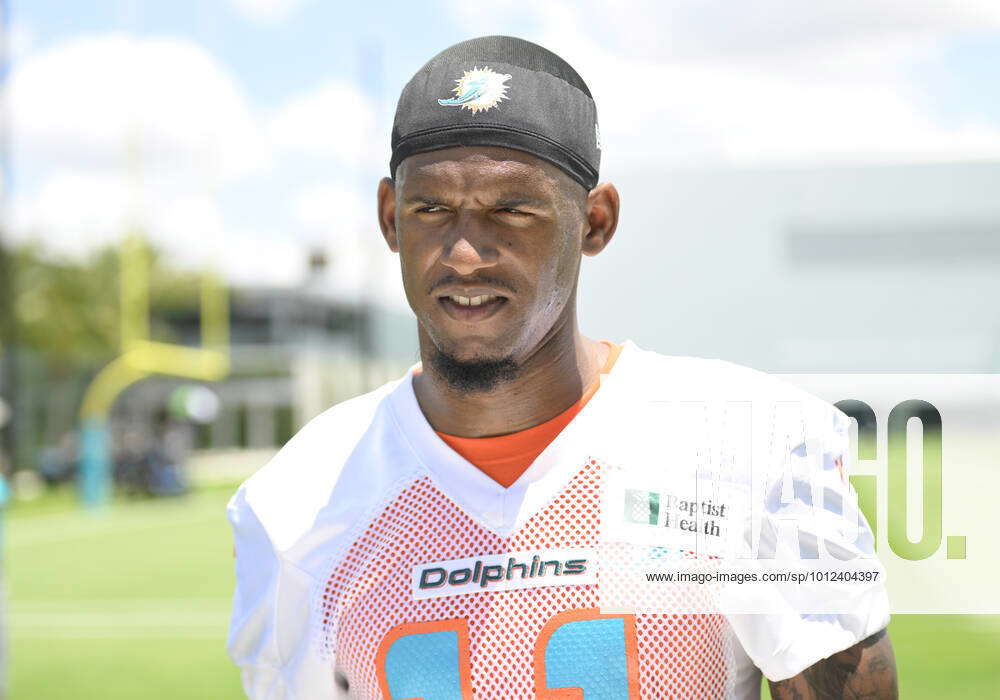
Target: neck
[549, 380]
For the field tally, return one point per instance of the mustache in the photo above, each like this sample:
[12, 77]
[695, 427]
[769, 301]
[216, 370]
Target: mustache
[480, 280]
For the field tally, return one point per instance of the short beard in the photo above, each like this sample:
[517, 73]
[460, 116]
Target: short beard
[472, 376]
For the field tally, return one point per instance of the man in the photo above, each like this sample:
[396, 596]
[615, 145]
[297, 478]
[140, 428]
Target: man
[453, 533]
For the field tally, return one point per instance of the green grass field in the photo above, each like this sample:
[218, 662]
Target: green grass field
[134, 603]
[130, 603]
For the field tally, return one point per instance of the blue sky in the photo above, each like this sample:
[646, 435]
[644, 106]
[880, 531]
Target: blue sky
[264, 124]
[274, 58]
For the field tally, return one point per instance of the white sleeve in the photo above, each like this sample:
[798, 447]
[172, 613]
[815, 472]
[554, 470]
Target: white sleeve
[784, 642]
[252, 641]
[270, 633]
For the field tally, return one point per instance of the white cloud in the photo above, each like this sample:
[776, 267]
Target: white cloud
[193, 231]
[333, 208]
[22, 38]
[84, 210]
[335, 120]
[75, 212]
[768, 81]
[266, 11]
[710, 29]
[88, 101]
[752, 115]
[264, 259]
[342, 220]
[191, 226]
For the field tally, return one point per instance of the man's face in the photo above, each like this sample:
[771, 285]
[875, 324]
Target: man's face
[489, 241]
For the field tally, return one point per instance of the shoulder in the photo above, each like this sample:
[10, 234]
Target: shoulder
[284, 496]
[651, 376]
[711, 377]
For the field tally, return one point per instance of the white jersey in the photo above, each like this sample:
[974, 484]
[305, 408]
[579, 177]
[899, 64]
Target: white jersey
[369, 552]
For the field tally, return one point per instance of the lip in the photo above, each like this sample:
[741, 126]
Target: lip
[471, 314]
[470, 292]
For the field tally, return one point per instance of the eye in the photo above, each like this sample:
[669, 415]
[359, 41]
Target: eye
[431, 209]
[512, 210]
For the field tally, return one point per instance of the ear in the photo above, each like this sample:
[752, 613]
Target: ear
[387, 212]
[602, 218]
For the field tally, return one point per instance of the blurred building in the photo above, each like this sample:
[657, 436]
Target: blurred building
[888, 269]
[294, 353]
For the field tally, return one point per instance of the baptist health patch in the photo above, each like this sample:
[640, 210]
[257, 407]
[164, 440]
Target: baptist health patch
[478, 90]
[706, 516]
[504, 572]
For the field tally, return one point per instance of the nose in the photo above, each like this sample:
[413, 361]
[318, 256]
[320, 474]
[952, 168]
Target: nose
[470, 246]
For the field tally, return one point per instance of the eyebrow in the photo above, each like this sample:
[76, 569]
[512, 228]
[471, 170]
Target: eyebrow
[520, 201]
[420, 199]
[510, 200]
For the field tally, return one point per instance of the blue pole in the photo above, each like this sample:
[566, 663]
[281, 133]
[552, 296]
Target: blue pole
[4, 499]
[95, 463]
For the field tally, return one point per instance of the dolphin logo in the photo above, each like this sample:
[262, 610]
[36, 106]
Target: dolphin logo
[478, 90]
[473, 91]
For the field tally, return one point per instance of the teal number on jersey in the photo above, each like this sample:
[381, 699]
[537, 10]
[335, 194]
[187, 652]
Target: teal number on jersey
[590, 655]
[424, 665]
[580, 649]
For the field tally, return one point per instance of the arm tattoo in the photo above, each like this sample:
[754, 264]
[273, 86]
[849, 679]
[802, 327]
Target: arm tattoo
[342, 688]
[866, 671]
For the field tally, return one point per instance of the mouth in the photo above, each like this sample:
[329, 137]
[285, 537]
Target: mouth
[472, 308]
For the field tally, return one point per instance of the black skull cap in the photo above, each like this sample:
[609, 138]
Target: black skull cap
[500, 91]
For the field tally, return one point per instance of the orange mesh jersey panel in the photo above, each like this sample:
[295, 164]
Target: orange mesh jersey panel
[677, 656]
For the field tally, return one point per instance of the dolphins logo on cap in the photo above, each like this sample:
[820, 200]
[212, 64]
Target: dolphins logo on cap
[478, 89]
